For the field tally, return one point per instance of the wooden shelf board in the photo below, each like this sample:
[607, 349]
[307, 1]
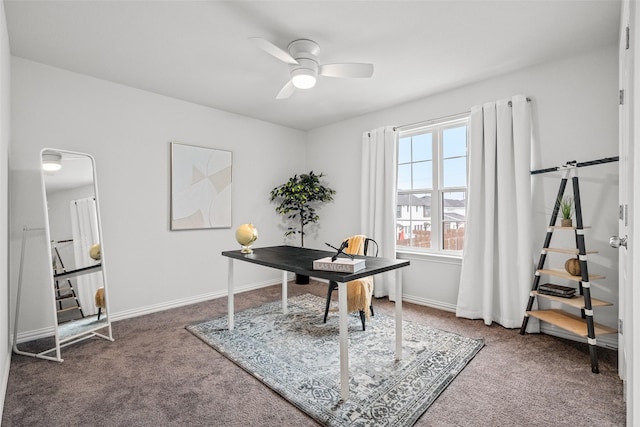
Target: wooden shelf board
[568, 228]
[563, 274]
[567, 251]
[68, 309]
[577, 301]
[569, 322]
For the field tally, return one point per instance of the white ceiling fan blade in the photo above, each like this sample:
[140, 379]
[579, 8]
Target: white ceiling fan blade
[347, 70]
[286, 91]
[273, 50]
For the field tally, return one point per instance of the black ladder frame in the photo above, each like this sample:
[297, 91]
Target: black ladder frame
[60, 297]
[584, 285]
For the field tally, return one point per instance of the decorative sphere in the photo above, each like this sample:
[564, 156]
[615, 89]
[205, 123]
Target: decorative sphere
[94, 252]
[246, 234]
[573, 266]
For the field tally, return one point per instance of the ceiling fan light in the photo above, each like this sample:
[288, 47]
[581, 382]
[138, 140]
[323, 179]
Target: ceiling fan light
[303, 78]
[51, 162]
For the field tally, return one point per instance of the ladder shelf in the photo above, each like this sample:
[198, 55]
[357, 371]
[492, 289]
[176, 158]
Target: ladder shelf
[570, 322]
[576, 301]
[583, 325]
[564, 275]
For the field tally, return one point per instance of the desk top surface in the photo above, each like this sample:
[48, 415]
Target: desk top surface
[300, 260]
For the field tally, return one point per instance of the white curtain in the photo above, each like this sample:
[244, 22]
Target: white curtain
[84, 229]
[378, 199]
[497, 264]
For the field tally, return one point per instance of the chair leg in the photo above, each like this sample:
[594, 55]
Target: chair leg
[371, 308]
[332, 286]
[99, 311]
[362, 319]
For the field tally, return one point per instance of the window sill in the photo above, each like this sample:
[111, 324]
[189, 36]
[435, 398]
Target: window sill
[429, 256]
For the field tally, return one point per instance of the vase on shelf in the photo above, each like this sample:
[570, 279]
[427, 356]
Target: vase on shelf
[566, 222]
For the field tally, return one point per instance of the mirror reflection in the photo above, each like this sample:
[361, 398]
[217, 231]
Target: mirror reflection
[74, 232]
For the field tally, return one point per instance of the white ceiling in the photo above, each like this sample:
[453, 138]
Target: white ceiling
[199, 51]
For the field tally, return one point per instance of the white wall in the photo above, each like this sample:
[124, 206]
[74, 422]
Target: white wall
[574, 103]
[128, 131]
[5, 90]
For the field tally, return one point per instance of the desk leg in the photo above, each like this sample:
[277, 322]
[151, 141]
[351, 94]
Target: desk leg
[398, 316]
[230, 294]
[344, 343]
[284, 292]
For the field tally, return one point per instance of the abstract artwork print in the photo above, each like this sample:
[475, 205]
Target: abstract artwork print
[200, 187]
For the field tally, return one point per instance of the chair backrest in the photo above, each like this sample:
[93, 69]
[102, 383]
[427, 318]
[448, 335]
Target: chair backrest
[370, 246]
[370, 242]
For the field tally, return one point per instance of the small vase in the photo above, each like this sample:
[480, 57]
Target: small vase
[566, 222]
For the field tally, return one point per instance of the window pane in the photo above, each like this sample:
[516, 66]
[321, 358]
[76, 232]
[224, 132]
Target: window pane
[454, 172]
[404, 150]
[421, 147]
[454, 205]
[454, 219]
[404, 177]
[421, 234]
[453, 236]
[422, 175]
[413, 222]
[454, 142]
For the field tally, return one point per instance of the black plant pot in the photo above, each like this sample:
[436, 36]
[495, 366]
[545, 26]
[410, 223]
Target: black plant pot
[301, 279]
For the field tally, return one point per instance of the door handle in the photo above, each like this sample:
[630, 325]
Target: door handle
[616, 242]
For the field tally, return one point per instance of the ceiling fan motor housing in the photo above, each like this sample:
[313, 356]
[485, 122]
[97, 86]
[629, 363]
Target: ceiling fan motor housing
[305, 53]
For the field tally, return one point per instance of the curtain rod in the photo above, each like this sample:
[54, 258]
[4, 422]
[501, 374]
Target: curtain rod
[577, 165]
[450, 116]
[426, 122]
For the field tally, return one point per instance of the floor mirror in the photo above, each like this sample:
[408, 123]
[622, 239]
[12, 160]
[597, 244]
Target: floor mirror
[77, 270]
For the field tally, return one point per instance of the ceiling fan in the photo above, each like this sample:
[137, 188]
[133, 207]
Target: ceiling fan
[302, 57]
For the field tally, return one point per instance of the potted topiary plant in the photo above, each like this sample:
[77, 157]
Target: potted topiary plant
[298, 199]
[565, 211]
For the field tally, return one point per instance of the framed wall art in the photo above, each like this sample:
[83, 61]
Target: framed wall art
[200, 187]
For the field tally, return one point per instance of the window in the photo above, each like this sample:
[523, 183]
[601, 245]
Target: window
[432, 186]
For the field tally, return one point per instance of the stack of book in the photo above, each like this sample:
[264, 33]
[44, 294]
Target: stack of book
[341, 265]
[557, 290]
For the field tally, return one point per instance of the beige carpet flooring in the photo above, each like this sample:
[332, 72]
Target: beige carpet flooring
[158, 374]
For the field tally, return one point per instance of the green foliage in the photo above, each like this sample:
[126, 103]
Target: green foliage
[299, 198]
[565, 207]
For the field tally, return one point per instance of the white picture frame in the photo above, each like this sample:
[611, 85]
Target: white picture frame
[201, 181]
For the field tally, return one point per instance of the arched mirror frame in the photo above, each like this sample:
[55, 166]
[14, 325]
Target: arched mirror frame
[72, 331]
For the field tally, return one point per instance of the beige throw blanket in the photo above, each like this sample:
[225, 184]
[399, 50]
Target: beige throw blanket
[359, 291]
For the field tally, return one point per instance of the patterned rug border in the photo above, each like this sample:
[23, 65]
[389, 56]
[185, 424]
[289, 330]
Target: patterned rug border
[382, 391]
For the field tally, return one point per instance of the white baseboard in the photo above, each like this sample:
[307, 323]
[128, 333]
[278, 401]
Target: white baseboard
[141, 311]
[429, 303]
[420, 301]
[186, 301]
[34, 334]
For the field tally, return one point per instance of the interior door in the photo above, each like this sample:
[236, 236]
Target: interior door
[625, 239]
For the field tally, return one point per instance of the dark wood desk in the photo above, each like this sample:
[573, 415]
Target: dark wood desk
[300, 261]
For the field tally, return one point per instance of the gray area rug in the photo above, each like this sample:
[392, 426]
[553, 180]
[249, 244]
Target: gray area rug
[297, 356]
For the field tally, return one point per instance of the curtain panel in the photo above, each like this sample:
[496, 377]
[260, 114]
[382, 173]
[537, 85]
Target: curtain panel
[84, 228]
[497, 264]
[378, 199]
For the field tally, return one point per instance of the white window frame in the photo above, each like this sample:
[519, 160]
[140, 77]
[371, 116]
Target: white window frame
[437, 206]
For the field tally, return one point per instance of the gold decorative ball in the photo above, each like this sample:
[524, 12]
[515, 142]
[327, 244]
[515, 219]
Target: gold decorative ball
[246, 234]
[573, 266]
[94, 252]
